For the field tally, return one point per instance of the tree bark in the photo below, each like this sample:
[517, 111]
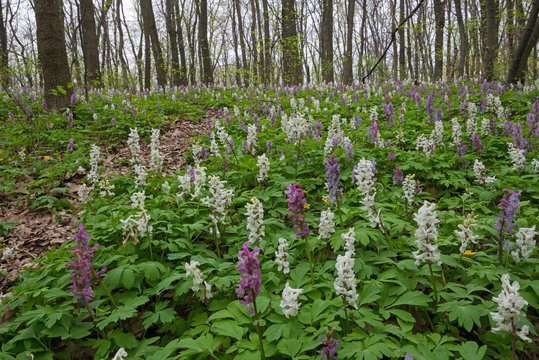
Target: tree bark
[267, 44]
[150, 29]
[347, 63]
[181, 44]
[207, 76]
[4, 65]
[170, 19]
[489, 12]
[326, 41]
[292, 69]
[92, 72]
[463, 39]
[52, 52]
[121, 44]
[439, 19]
[527, 43]
[242, 43]
[402, 58]
[235, 45]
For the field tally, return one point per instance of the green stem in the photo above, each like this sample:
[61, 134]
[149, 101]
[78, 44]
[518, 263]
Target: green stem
[386, 234]
[514, 342]
[340, 213]
[433, 283]
[150, 245]
[346, 314]
[106, 289]
[217, 240]
[297, 159]
[262, 354]
[310, 259]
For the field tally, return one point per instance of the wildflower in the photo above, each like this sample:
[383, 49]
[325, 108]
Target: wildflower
[408, 356]
[255, 220]
[518, 159]
[469, 253]
[327, 226]
[349, 240]
[138, 199]
[281, 257]
[397, 175]
[106, 188]
[156, 157]
[510, 305]
[70, 146]
[408, 185]
[184, 184]
[264, 166]
[509, 204]
[8, 253]
[251, 277]
[82, 267]
[455, 136]
[251, 138]
[165, 187]
[295, 127]
[426, 235]
[133, 142]
[465, 234]
[120, 354]
[333, 175]
[289, 303]
[437, 135]
[476, 143]
[214, 149]
[296, 207]
[95, 154]
[425, 145]
[192, 269]
[363, 175]
[330, 346]
[534, 166]
[479, 172]
[84, 193]
[345, 282]
[461, 149]
[219, 200]
[199, 173]
[140, 171]
[525, 243]
[196, 149]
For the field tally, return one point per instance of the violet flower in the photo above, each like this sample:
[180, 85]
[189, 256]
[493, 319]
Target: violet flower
[82, 266]
[251, 277]
[509, 204]
[330, 346]
[70, 146]
[476, 143]
[398, 177]
[333, 176]
[296, 207]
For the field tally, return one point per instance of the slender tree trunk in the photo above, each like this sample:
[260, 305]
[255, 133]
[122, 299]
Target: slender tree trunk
[235, 44]
[395, 57]
[171, 31]
[448, 62]
[121, 43]
[4, 65]
[347, 63]
[151, 29]
[528, 41]
[181, 44]
[326, 41]
[292, 69]
[267, 44]
[439, 39]
[254, 43]
[52, 52]
[402, 58]
[242, 43]
[147, 62]
[489, 12]
[92, 71]
[463, 39]
[204, 47]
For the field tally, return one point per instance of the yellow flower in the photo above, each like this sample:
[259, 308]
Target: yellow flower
[46, 157]
[469, 253]
[305, 191]
[325, 200]
[307, 206]
[169, 200]
[1, 159]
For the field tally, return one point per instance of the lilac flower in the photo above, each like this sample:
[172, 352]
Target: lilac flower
[397, 175]
[333, 176]
[317, 131]
[82, 266]
[73, 100]
[113, 121]
[349, 149]
[461, 149]
[70, 146]
[509, 204]
[269, 145]
[476, 143]
[391, 155]
[242, 124]
[251, 277]
[70, 120]
[408, 356]
[296, 207]
[330, 346]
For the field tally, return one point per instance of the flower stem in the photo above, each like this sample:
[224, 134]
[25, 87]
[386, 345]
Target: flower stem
[433, 283]
[262, 354]
[514, 342]
[310, 259]
[106, 289]
[217, 241]
[386, 234]
[346, 314]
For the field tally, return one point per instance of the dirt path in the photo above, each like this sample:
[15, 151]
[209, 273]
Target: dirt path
[37, 232]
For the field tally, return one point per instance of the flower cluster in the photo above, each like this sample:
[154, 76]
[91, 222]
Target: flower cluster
[426, 235]
[345, 282]
[199, 179]
[333, 176]
[327, 226]
[465, 234]
[398, 177]
[252, 138]
[191, 268]
[457, 132]
[281, 257]
[263, 166]
[296, 207]
[409, 185]
[133, 142]
[156, 157]
[330, 346]
[479, 172]
[525, 243]
[95, 155]
[364, 178]
[255, 221]
[518, 159]
[251, 277]
[141, 175]
[289, 303]
[219, 200]
[426, 146]
[509, 204]
[295, 127]
[437, 135]
[510, 305]
[82, 267]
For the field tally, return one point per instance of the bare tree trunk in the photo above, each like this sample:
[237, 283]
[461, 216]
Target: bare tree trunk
[463, 39]
[267, 44]
[347, 63]
[52, 52]
[254, 43]
[4, 65]
[527, 43]
[235, 44]
[181, 46]
[207, 76]
[242, 43]
[448, 62]
[326, 41]
[171, 31]
[439, 16]
[150, 29]
[402, 58]
[147, 62]
[489, 12]
[395, 57]
[292, 73]
[121, 44]
[92, 72]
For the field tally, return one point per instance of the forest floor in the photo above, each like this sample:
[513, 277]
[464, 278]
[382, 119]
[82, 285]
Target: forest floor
[38, 231]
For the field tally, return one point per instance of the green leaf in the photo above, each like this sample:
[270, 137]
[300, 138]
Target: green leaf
[289, 347]
[274, 332]
[464, 312]
[125, 340]
[369, 293]
[471, 351]
[228, 328]
[412, 298]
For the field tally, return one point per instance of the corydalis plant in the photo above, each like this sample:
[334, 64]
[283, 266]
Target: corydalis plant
[505, 224]
[333, 177]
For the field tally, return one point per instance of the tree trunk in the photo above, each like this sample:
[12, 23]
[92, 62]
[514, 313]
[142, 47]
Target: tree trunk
[242, 43]
[147, 62]
[267, 44]
[347, 63]
[4, 69]
[150, 29]
[489, 12]
[121, 45]
[92, 72]
[52, 52]
[292, 70]
[463, 39]
[439, 19]
[235, 45]
[527, 43]
[207, 76]
[181, 46]
[254, 44]
[402, 58]
[326, 41]
[171, 31]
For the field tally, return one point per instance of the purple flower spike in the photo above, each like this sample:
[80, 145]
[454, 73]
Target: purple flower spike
[408, 357]
[296, 207]
[333, 176]
[251, 277]
[330, 346]
[398, 177]
[509, 204]
[82, 266]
